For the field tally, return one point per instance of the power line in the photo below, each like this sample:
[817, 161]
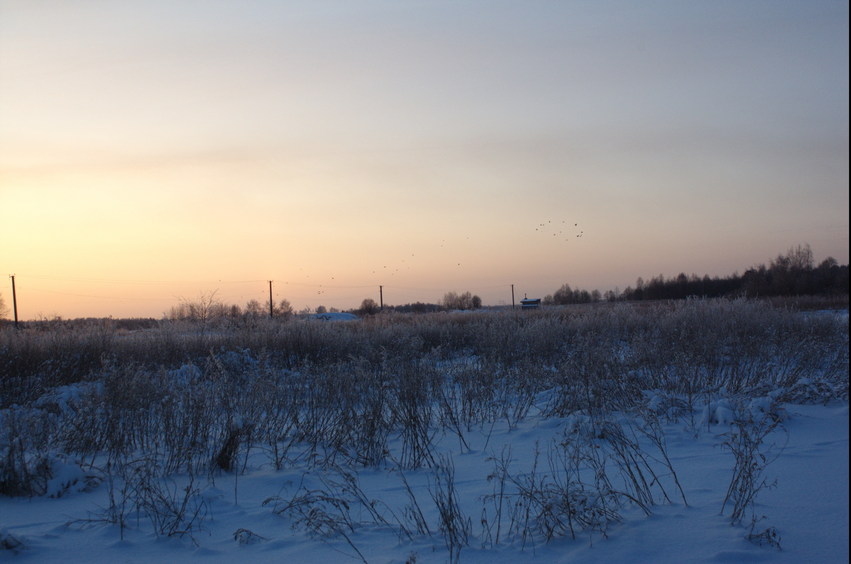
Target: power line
[102, 297]
[157, 289]
[142, 282]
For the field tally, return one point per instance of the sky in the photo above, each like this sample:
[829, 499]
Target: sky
[154, 151]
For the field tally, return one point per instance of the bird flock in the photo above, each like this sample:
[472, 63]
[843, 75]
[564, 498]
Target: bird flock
[561, 229]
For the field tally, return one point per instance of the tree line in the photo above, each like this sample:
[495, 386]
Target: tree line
[207, 307]
[787, 275]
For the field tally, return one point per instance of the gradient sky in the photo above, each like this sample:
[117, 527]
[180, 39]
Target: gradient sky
[152, 151]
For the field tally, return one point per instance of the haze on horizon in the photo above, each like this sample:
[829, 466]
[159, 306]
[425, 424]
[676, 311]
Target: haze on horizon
[152, 151]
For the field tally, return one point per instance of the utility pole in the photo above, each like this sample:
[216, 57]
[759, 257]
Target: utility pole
[271, 303]
[512, 296]
[14, 300]
[381, 297]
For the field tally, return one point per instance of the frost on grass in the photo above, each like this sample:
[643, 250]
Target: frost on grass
[473, 433]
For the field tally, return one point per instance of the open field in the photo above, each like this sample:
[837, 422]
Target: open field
[668, 432]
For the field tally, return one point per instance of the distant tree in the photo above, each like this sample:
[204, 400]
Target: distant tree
[205, 308]
[639, 288]
[826, 264]
[830, 277]
[321, 309]
[4, 311]
[450, 300]
[416, 307]
[284, 309]
[566, 295]
[202, 310]
[453, 300]
[369, 307]
[800, 257]
[220, 310]
[563, 295]
[190, 310]
[254, 309]
[789, 274]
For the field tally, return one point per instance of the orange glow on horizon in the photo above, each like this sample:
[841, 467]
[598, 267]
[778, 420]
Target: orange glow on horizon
[149, 153]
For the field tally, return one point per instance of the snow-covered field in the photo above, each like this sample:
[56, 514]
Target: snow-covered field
[808, 506]
[653, 482]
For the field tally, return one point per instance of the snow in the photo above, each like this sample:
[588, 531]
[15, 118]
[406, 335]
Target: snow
[335, 316]
[316, 509]
[808, 507]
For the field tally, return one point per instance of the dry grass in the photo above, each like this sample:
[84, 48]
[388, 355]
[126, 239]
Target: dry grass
[337, 395]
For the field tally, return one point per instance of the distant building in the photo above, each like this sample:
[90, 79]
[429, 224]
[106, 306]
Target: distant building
[530, 303]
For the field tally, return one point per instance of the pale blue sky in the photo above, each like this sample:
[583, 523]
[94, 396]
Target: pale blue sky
[153, 149]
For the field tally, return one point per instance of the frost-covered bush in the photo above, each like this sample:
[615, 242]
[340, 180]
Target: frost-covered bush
[331, 394]
[25, 465]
